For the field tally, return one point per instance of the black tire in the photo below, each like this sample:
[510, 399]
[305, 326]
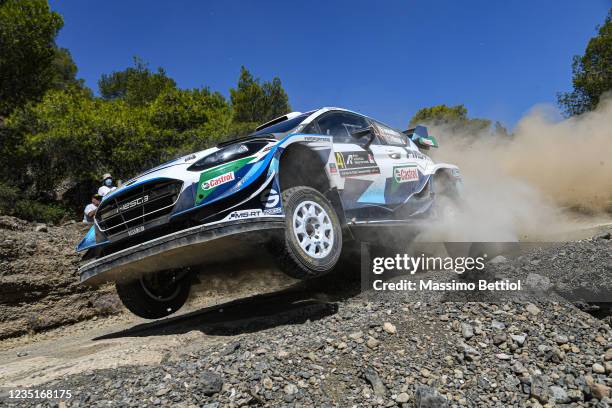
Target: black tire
[154, 296]
[291, 257]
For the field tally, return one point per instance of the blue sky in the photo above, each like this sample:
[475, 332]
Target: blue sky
[384, 58]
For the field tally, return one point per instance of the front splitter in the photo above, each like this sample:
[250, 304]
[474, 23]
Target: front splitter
[200, 245]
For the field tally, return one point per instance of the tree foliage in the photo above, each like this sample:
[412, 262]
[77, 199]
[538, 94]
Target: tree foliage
[64, 71]
[55, 133]
[137, 85]
[30, 62]
[592, 73]
[454, 117]
[71, 134]
[255, 103]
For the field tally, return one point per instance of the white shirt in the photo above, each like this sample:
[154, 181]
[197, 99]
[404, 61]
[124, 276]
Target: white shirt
[89, 208]
[105, 190]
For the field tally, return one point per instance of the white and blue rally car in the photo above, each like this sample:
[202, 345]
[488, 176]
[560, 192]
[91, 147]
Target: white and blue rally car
[300, 186]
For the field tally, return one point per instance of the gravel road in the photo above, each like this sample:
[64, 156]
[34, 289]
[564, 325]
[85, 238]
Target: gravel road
[325, 343]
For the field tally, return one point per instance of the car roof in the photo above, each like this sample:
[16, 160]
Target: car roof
[312, 114]
[318, 112]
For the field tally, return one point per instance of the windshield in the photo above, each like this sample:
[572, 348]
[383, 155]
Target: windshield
[284, 126]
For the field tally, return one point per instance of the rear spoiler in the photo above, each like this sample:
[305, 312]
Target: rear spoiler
[421, 137]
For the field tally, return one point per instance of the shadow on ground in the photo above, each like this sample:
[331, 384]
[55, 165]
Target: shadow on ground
[309, 300]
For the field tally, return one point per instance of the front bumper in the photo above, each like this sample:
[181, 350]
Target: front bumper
[200, 245]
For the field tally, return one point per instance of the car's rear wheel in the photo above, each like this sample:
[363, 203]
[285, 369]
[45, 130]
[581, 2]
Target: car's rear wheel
[312, 241]
[155, 295]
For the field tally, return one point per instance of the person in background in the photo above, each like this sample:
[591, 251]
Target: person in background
[107, 185]
[91, 208]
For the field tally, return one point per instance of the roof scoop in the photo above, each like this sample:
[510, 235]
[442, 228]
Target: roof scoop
[283, 118]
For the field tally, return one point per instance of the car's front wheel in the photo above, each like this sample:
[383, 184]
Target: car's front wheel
[312, 241]
[155, 295]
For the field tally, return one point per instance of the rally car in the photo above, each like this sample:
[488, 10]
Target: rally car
[300, 186]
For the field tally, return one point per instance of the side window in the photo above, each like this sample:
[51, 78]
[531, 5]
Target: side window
[312, 129]
[340, 125]
[391, 136]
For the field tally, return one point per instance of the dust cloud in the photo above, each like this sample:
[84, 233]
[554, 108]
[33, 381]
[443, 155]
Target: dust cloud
[547, 177]
[240, 279]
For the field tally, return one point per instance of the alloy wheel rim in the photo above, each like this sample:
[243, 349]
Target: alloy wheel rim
[313, 229]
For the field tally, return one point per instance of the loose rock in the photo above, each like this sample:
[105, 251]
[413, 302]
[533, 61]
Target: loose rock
[389, 328]
[427, 397]
[371, 375]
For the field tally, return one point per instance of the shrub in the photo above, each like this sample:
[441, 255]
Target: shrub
[8, 197]
[34, 211]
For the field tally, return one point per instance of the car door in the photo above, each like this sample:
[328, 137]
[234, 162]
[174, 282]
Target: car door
[408, 167]
[362, 170]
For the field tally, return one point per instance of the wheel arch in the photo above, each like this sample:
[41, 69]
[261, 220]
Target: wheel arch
[446, 179]
[300, 165]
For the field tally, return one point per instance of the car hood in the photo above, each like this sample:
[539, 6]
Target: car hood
[162, 170]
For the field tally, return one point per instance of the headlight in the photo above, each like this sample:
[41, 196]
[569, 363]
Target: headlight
[230, 153]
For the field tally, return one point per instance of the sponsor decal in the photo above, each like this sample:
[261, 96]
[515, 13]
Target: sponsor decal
[316, 139]
[273, 211]
[340, 160]
[270, 198]
[218, 176]
[245, 214]
[134, 203]
[404, 174]
[456, 173]
[136, 230]
[356, 163]
[217, 181]
[332, 168]
[391, 136]
[416, 155]
[359, 172]
[254, 213]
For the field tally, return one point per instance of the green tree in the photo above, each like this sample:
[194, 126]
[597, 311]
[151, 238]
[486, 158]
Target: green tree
[64, 71]
[255, 103]
[27, 51]
[196, 117]
[71, 135]
[455, 117]
[591, 73]
[276, 100]
[137, 85]
[439, 114]
[183, 109]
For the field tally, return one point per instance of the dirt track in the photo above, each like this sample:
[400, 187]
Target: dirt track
[301, 344]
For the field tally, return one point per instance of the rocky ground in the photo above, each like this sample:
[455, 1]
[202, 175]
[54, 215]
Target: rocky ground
[39, 286]
[325, 343]
[382, 354]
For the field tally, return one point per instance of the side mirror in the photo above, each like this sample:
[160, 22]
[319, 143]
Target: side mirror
[421, 137]
[364, 132]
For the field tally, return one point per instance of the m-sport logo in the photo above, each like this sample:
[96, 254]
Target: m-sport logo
[244, 214]
[217, 181]
[134, 203]
[404, 174]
